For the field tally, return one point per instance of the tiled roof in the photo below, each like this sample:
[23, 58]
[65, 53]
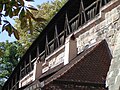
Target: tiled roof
[91, 66]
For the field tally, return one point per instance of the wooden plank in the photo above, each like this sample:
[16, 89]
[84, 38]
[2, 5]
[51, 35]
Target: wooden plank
[56, 36]
[78, 83]
[37, 50]
[46, 47]
[25, 67]
[30, 62]
[20, 73]
[65, 28]
[80, 15]
[83, 10]
[97, 6]
[105, 1]
[67, 25]
[101, 3]
[61, 37]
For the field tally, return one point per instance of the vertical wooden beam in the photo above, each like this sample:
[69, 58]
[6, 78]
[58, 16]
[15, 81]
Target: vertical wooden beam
[56, 39]
[90, 14]
[83, 10]
[76, 24]
[8, 86]
[46, 47]
[37, 50]
[25, 67]
[105, 1]
[97, 7]
[15, 80]
[30, 62]
[80, 16]
[81, 19]
[20, 73]
[101, 3]
[67, 26]
[93, 12]
[11, 84]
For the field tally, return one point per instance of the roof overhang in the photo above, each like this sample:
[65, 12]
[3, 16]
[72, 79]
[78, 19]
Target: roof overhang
[91, 66]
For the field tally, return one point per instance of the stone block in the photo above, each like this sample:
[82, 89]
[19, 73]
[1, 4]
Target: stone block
[113, 66]
[115, 16]
[118, 49]
[111, 81]
[109, 21]
[111, 87]
[107, 15]
[118, 66]
[115, 56]
[117, 82]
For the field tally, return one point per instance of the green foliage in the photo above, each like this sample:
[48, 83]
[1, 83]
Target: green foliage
[47, 11]
[11, 8]
[12, 52]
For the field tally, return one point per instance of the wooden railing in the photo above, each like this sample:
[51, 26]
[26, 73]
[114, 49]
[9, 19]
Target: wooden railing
[80, 19]
[71, 25]
[84, 16]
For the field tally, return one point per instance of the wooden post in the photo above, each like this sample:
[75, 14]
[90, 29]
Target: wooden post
[37, 50]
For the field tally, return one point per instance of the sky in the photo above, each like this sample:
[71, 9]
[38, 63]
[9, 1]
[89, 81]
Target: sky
[4, 35]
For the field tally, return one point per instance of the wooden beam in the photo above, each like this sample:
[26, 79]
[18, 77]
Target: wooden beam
[101, 3]
[46, 46]
[30, 61]
[16, 81]
[38, 51]
[78, 83]
[20, 73]
[97, 6]
[56, 39]
[80, 15]
[67, 26]
[83, 10]
[25, 67]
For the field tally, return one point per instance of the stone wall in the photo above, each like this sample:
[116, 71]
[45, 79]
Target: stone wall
[108, 28]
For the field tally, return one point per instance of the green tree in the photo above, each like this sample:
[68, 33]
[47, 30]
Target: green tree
[47, 11]
[12, 52]
[11, 8]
